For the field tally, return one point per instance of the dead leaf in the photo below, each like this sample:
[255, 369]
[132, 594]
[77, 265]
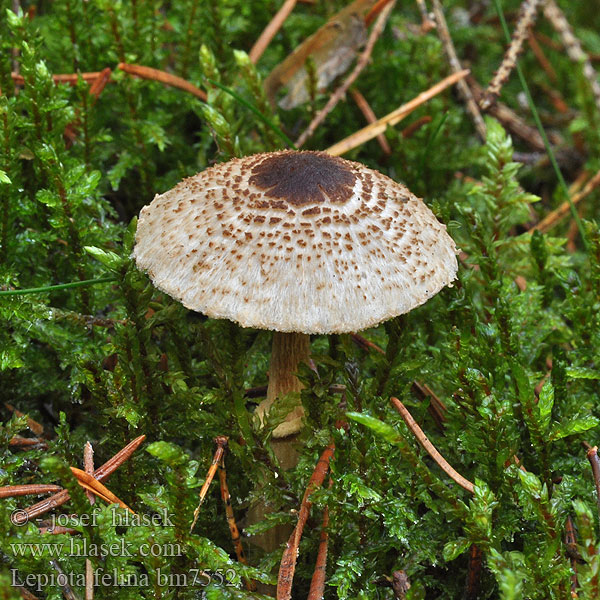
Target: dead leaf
[333, 48]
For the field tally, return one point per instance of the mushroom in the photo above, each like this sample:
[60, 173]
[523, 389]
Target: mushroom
[298, 243]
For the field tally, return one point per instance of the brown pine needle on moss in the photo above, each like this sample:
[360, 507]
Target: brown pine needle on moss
[164, 77]
[101, 473]
[91, 484]
[317, 583]
[10, 491]
[411, 129]
[430, 448]
[369, 115]
[35, 427]
[98, 84]
[70, 78]
[290, 554]
[221, 442]
[22, 442]
[541, 57]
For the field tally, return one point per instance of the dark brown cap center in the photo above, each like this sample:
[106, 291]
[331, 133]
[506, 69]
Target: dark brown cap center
[304, 177]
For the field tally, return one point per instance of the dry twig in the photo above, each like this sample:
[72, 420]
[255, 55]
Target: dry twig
[571, 545]
[426, 23]
[527, 17]
[512, 121]
[290, 554]
[370, 131]
[63, 582]
[88, 467]
[270, 30]
[430, 448]
[462, 86]
[360, 65]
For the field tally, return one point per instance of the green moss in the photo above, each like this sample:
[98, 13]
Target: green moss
[517, 366]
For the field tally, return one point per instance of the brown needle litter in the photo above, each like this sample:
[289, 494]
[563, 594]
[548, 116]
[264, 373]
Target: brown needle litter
[430, 448]
[9, 491]
[290, 554]
[218, 463]
[164, 77]
[100, 474]
[221, 442]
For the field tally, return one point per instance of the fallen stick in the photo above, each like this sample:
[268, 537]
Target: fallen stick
[463, 88]
[526, 19]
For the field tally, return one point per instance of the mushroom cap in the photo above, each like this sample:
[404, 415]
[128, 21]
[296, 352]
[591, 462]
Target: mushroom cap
[294, 242]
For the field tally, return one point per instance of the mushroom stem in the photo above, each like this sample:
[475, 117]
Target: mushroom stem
[289, 350]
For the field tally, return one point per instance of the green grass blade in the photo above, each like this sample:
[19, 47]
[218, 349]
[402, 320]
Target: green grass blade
[56, 288]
